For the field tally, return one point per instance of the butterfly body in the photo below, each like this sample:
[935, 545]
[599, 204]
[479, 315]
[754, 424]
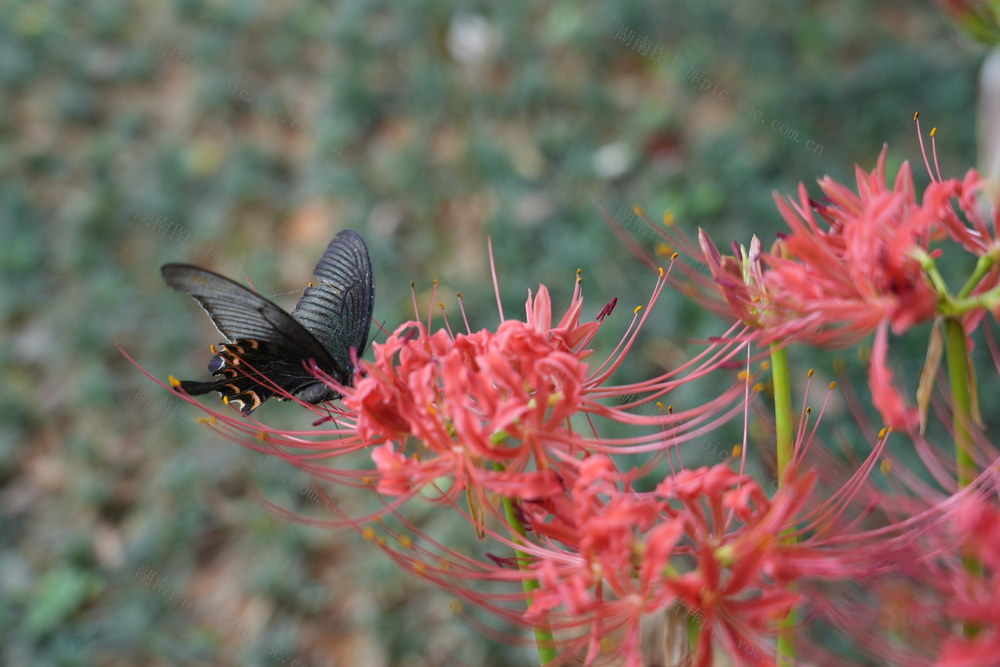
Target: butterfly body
[269, 348]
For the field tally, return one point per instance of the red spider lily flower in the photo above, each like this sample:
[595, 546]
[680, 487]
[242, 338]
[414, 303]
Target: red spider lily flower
[708, 539]
[492, 411]
[853, 265]
[842, 281]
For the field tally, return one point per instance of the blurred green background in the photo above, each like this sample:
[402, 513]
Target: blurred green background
[241, 136]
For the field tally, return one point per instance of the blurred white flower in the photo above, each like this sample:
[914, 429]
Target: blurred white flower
[472, 40]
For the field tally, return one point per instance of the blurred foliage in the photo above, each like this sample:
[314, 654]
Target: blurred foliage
[241, 136]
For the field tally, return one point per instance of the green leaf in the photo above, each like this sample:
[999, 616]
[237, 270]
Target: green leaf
[58, 595]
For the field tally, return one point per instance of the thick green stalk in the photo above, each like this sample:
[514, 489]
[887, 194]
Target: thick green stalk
[957, 354]
[785, 431]
[961, 398]
[544, 639]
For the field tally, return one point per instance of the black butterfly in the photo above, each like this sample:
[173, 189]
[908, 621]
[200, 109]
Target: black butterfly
[332, 318]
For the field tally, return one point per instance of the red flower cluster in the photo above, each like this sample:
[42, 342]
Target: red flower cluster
[857, 263]
[511, 420]
[475, 401]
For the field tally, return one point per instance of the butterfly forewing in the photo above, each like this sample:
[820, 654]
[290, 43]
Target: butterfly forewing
[240, 313]
[337, 310]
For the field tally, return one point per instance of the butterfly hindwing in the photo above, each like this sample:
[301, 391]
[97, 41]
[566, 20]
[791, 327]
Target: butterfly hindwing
[337, 309]
[248, 373]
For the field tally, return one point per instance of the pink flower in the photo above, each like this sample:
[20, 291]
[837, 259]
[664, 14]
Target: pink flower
[475, 401]
[491, 411]
[859, 263]
[842, 280]
[709, 539]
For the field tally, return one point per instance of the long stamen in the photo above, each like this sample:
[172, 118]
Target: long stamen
[461, 308]
[937, 167]
[430, 305]
[493, 272]
[923, 149]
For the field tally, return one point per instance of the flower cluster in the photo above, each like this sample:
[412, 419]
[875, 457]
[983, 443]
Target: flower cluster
[576, 489]
[474, 401]
[863, 262]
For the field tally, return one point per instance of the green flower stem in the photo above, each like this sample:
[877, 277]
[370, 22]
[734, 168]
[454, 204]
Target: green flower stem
[544, 639]
[983, 266]
[960, 379]
[784, 428]
[928, 265]
[988, 300]
[961, 398]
